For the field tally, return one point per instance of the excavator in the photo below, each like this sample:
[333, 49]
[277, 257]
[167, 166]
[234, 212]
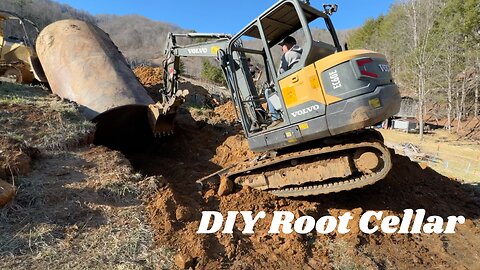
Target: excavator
[327, 101]
[18, 60]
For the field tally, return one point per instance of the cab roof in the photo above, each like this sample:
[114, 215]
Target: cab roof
[282, 20]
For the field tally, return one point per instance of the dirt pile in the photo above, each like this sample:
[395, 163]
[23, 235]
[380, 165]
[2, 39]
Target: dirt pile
[204, 144]
[15, 157]
[227, 112]
[149, 76]
[7, 192]
[235, 149]
[176, 213]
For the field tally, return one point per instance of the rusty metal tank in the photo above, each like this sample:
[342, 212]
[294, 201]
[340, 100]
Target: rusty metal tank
[83, 65]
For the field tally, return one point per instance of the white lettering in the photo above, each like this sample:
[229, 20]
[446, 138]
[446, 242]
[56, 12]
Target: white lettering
[304, 224]
[411, 222]
[365, 220]
[388, 222]
[306, 110]
[335, 79]
[384, 67]
[283, 218]
[197, 50]
[343, 223]
[452, 221]
[217, 222]
[230, 222]
[326, 224]
[249, 221]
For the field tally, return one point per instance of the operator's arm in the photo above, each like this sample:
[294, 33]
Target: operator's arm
[283, 64]
[292, 57]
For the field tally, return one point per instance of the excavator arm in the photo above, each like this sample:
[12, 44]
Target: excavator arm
[209, 46]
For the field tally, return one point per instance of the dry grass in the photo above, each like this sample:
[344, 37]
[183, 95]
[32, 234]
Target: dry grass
[41, 120]
[79, 208]
[340, 256]
[457, 157]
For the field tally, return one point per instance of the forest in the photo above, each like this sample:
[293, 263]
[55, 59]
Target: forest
[434, 51]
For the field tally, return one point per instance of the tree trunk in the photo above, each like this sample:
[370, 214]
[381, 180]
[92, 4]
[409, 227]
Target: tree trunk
[462, 103]
[449, 94]
[476, 89]
[421, 101]
[457, 108]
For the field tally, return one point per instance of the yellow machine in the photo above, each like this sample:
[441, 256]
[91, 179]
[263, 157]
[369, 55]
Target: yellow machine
[18, 59]
[313, 132]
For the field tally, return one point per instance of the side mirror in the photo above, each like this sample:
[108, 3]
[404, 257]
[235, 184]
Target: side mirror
[330, 9]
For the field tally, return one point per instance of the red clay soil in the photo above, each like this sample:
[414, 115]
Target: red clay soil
[149, 76]
[227, 112]
[200, 148]
[469, 128]
[205, 142]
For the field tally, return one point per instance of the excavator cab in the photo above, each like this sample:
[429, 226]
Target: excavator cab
[18, 60]
[259, 41]
[328, 91]
[325, 99]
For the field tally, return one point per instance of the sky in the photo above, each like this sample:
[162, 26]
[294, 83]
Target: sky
[224, 16]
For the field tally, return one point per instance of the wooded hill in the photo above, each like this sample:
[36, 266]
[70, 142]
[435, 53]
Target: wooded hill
[140, 39]
[433, 47]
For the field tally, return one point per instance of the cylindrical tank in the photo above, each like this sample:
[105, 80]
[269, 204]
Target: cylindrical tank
[83, 65]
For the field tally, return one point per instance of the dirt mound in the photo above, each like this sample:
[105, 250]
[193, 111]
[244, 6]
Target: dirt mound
[235, 149]
[149, 76]
[202, 147]
[7, 192]
[227, 111]
[176, 213]
[15, 158]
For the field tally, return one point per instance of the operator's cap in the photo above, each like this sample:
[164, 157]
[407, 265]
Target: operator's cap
[288, 40]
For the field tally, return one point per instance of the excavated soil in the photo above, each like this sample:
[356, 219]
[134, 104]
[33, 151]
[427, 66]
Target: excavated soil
[227, 112]
[204, 143]
[149, 76]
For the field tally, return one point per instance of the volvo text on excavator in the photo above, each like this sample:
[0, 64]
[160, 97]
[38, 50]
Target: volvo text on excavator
[327, 101]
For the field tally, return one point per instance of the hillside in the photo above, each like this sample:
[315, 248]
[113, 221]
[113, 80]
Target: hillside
[140, 39]
[433, 48]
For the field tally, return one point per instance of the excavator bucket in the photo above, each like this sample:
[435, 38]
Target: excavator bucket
[83, 65]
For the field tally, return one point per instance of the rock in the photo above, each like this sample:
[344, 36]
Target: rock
[183, 213]
[183, 261]
[423, 165]
[7, 192]
[226, 186]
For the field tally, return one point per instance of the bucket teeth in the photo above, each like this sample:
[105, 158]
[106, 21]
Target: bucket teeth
[161, 134]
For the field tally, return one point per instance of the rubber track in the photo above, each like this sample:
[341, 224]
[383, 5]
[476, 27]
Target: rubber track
[341, 185]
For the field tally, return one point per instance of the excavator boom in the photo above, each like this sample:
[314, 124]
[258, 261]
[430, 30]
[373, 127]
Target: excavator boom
[325, 101]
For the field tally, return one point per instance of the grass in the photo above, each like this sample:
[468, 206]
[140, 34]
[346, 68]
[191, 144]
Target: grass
[456, 158]
[75, 210]
[53, 124]
[340, 258]
[80, 210]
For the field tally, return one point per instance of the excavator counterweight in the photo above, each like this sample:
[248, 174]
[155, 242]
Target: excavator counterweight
[324, 102]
